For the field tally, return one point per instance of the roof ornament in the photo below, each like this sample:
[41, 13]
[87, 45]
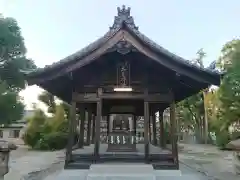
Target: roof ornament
[123, 17]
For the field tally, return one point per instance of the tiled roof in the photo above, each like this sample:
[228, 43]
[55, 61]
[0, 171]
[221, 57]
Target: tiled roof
[123, 18]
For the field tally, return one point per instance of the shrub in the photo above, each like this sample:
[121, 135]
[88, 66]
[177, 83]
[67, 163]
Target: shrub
[222, 138]
[31, 138]
[34, 128]
[46, 133]
[52, 141]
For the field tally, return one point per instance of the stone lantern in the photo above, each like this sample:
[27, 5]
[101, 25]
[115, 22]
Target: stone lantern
[5, 149]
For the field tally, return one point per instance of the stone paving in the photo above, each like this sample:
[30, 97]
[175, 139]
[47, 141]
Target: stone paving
[32, 163]
[210, 161]
[187, 174]
[202, 162]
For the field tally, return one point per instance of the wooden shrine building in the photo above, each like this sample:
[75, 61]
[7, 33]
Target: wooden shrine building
[117, 80]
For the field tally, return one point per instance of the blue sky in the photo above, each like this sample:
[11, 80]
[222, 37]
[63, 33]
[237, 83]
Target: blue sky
[54, 29]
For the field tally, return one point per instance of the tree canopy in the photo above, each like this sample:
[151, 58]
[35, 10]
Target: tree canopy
[220, 106]
[13, 64]
[229, 92]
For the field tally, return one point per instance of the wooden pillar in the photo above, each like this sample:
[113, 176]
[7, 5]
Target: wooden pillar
[154, 129]
[173, 133]
[146, 128]
[71, 127]
[108, 126]
[162, 134]
[82, 124]
[108, 123]
[93, 128]
[150, 130]
[89, 126]
[135, 128]
[97, 125]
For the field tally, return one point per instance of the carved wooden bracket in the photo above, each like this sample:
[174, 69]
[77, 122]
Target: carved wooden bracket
[123, 47]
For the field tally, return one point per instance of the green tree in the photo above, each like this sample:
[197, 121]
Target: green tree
[13, 64]
[49, 100]
[229, 92]
[228, 49]
[190, 111]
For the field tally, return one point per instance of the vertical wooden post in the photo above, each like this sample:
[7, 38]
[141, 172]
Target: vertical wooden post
[71, 127]
[97, 127]
[89, 126]
[154, 129]
[162, 134]
[108, 128]
[135, 128]
[82, 124]
[173, 133]
[150, 129]
[146, 127]
[108, 123]
[93, 128]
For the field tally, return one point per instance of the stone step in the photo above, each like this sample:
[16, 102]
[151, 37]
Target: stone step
[122, 172]
[84, 175]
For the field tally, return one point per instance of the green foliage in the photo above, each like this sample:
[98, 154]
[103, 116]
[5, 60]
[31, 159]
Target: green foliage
[52, 141]
[222, 138]
[229, 92]
[11, 107]
[225, 60]
[12, 65]
[34, 128]
[49, 100]
[166, 132]
[12, 55]
[59, 121]
[47, 133]
[190, 113]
